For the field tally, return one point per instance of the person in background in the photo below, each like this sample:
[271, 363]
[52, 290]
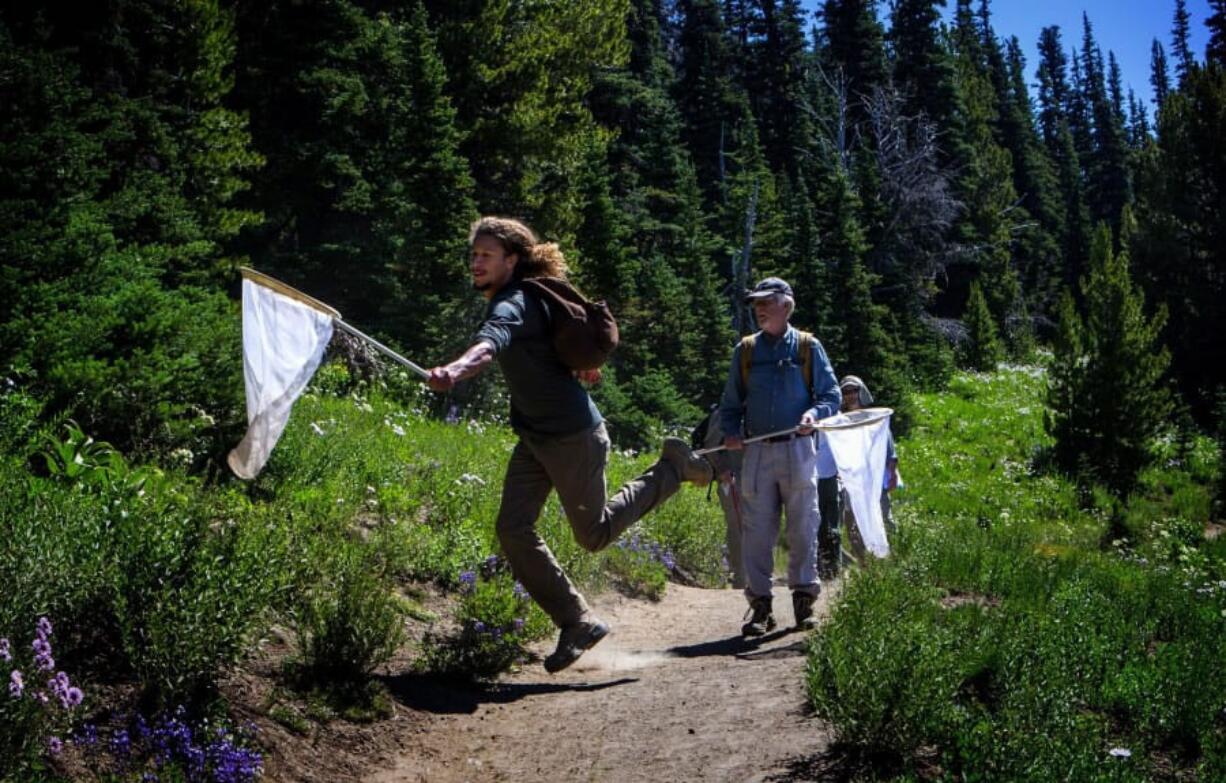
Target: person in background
[767, 392]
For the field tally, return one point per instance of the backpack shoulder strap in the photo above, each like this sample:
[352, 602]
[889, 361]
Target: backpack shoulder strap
[805, 351]
[747, 343]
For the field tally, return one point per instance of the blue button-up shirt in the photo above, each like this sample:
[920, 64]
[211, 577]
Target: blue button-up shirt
[777, 396]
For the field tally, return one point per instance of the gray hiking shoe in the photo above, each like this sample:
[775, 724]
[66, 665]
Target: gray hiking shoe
[802, 609]
[574, 641]
[761, 619]
[695, 470]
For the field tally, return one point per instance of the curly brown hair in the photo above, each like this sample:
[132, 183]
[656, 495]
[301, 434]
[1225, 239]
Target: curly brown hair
[536, 258]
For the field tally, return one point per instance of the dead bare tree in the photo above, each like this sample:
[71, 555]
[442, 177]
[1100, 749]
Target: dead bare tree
[919, 207]
[740, 277]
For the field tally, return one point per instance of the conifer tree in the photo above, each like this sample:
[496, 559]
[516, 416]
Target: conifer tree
[986, 183]
[1109, 187]
[1056, 99]
[855, 42]
[855, 336]
[1180, 244]
[982, 351]
[1107, 398]
[1215, 49]
[644, 241]
[710, 103]
[367, 197]
[1035, 181]
[1181, 49]
[776, 63]
[925, 74]
[122, 161]
[1159, 79]
[1138, 122]
[518, 74]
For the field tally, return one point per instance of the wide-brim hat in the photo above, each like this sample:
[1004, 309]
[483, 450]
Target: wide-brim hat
[853, 381]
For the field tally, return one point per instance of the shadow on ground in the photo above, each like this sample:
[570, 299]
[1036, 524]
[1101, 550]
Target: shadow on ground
[740, 647]
[431, 693]
[840, 763]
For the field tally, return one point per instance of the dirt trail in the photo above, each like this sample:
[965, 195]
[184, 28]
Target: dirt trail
[672, 694]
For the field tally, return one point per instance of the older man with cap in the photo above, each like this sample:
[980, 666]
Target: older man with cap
[780, 381]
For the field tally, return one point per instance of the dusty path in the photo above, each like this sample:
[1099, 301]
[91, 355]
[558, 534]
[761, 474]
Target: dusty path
[673, 694]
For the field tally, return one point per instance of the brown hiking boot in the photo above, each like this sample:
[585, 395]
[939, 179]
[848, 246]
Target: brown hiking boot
[574, 641]
[802, 609]
[695, 470]
[761, 619]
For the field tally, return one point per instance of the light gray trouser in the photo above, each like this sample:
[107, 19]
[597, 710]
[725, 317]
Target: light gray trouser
[779, 476]
[734, 510]
[574, 465]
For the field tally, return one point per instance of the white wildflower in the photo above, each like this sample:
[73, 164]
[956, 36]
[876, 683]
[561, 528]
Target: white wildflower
[1120, 753]
[318, 430]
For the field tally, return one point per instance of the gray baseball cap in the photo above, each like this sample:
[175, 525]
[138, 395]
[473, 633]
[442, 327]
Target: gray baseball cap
[768, 286]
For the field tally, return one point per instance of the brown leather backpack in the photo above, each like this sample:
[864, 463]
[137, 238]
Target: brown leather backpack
[584, 332]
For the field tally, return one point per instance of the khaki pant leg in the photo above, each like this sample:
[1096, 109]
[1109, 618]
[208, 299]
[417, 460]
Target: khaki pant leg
[524, 491]
[730, 502]
[798, 496]
[576, 464]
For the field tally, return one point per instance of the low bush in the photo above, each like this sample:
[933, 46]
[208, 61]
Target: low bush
[1022, 630]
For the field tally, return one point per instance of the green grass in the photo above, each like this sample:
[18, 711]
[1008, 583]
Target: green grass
[154, 577]
[1018, 632]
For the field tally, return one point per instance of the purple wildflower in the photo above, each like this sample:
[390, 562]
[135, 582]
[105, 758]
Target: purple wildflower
[54, 744]
[5, 654]
[87, 736]
[43, 628]
[45, 662]
[16, 684]
[479, 626]
[41, 646]
[519, 592]
[468, 580]
[73, 697]
[518, 624]
[121, 743]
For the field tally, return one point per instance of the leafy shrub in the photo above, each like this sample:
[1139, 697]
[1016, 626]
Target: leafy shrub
[641, 566]
[350, 621]
[1002, 637]
[495, 618]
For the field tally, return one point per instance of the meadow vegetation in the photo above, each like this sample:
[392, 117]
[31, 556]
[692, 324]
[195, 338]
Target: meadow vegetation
[1024, 628]
[162, 580]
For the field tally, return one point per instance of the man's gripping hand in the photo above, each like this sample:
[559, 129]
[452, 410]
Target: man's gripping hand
[443, 378]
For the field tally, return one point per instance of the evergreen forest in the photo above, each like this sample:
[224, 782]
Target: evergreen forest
[1025, 260]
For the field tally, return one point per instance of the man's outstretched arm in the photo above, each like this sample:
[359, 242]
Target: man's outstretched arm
[472, 362]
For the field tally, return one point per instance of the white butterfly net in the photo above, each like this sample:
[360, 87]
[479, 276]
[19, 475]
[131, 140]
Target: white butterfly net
[859, 452]
[283, 343]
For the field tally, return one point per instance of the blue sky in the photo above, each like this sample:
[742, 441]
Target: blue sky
[1126, 27]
